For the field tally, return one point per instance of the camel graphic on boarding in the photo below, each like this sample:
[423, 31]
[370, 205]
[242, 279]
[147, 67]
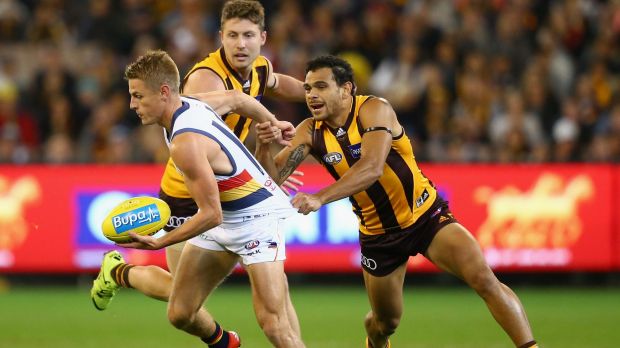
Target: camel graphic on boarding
[13, 199]
[545, 216]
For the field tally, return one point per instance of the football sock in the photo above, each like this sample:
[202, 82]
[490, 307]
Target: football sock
[369, 345]
[219, 339]
[530, 344]
[120, 274]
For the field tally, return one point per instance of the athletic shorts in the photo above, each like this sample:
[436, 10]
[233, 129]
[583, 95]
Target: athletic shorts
[384, 253]
[258, 240]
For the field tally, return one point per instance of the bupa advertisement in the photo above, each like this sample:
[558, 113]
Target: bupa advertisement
[525, 217]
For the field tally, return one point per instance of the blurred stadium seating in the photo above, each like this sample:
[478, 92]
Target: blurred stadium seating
[473, 81]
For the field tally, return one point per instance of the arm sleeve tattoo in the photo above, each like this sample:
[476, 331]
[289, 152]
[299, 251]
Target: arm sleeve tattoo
[294, 159]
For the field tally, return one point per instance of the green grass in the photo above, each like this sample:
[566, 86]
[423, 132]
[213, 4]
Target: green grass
[33, 317]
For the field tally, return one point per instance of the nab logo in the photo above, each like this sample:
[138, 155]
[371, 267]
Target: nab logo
[332, 158]
[355, 150]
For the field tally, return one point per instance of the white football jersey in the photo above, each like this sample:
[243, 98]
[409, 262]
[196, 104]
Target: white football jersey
[247, 192]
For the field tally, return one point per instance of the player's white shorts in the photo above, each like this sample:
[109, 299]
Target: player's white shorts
[258, 240]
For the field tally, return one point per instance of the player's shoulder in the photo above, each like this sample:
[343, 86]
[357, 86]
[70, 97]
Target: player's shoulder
[373, 101]
[262, 61]
[371, 105]
[192, 111]
[306, 124]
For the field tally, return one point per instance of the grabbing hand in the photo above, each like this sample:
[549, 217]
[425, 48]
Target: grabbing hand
[306, 203]
[282, 132]
[141, 242]
[288, 131]
[291, 183]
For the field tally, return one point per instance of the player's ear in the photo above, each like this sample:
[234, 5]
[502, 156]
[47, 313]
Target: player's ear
[263, 37]
[348, 89]
[164, 91]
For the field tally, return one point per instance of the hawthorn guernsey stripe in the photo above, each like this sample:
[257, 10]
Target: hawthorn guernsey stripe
[172, 182]
[255, 86]
[398, 198]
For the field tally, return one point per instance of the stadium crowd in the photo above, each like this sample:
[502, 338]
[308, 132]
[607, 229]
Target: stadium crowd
[472, 80]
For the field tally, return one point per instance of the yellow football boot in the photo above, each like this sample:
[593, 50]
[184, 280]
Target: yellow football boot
[104, 287]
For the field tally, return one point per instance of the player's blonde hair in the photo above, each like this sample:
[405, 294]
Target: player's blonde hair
[244, 9]
[155, 68]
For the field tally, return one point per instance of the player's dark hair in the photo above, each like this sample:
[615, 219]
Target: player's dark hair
[341, 69]
[155, 68]
[244, 9]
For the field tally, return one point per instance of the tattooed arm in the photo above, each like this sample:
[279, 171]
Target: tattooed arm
[289, 158]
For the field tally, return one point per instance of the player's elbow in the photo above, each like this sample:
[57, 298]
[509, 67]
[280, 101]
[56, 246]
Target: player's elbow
[215, 217]
[235, 98]
[370, 176]
[374, 173]
[209, 218]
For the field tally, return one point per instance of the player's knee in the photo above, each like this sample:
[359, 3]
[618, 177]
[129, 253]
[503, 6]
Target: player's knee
[368, 319]
[180, 317]
[274, 325]
[387, 326]
[484, 283]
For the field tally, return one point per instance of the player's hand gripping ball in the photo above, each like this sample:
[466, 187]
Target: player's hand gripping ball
[141, 215]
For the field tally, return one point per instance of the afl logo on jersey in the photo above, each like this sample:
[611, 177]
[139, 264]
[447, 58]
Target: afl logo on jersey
[332, 158]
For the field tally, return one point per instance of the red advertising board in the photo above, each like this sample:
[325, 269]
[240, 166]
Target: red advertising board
[526, 217]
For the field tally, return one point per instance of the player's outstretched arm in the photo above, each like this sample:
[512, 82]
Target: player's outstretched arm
[223, 102]
[377, 116]
[288, 159]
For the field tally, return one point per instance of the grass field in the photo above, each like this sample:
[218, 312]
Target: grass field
[63, 317]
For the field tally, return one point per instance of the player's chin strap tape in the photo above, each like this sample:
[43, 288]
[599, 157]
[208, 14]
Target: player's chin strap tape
[373, 129]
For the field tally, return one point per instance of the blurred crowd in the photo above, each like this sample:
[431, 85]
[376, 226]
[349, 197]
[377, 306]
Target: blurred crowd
[472, 81]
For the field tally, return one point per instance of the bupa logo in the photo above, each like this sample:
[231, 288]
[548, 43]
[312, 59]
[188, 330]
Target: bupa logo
[136, 218]
[356, 150]
[332, 158]
[251, 245]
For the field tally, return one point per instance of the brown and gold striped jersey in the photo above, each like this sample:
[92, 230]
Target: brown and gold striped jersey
[172, 181]
[402, 193]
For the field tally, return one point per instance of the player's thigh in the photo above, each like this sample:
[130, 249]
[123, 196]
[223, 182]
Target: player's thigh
[456, 251]
[199, 271]
[173, 254]
[269, 289]
[385, 293]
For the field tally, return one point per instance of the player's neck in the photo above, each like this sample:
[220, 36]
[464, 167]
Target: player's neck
[244, 73]
[174, 104]
[341, 115]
